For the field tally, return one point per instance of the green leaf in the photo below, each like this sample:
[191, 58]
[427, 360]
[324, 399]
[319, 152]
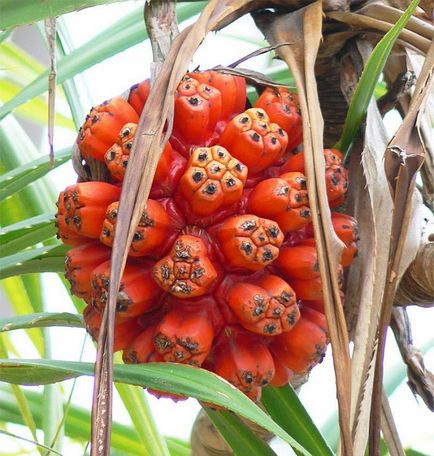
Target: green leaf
[176, 378]
[136, 403]
[237, 435]
[22, 402]
[369, 78]
[178, 447]
[42, 259]
[27, 233]
[41, 320]
[17, 294]
[411, 452]
[14, 180]
[21, 66]
[15, 13]
[126, 32]
[77, 423]
[64, 47]
[18, 149]
[137, 406]
[36, 109]
[286, 409]
[39, 445]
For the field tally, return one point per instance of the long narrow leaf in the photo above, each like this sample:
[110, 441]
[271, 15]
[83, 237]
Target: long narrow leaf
[41, 320]
[64, 47]
[125, 33]
[368, 80]
[41, 259]
[13, 241]
[286, 409]
[36, 109]
[37, 444]
[19, 298]
[22, 67]
[15, 13]
[22, 403]
[14, 180]
[137, 406]
[77, 424]
[176, 378]
[237, 435]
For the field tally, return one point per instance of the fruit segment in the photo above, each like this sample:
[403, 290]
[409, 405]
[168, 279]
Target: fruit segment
[102, 127]
[187, 271]
[197, 110]
[79, 264]
[302, 348]
[138, 293]
[252, 139]
[213, 179]
[283, 108]
[336, 175]
[248, 242]
[184, 336]
[267, 308]
[298, 262]
[169, 169]
[231, 88]
[245, 362]
[155, 229]
[287, 201]
[346, 229]
[81, 208]
[139, 94]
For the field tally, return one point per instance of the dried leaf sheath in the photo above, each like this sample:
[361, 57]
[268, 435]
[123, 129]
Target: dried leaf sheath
[403, 158]
[304, 28]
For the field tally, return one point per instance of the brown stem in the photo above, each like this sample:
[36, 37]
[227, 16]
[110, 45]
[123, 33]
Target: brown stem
[162, 27]
[420, 380]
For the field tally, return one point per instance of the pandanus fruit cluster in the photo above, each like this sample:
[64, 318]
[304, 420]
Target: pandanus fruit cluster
[222, 270]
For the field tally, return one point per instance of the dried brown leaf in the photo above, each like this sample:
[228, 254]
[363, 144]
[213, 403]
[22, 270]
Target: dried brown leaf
[303, 28]
[403, 158]
[390, 432]
[254, 77]
[417, 284]
[257, 53]
[387, 13]
[369, 23]
[415, 62]
[372, 207]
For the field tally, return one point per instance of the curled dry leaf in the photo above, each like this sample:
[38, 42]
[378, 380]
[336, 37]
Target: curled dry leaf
[254, 77]
[358, 20]
[403, 158]
[415, 61]
[387, 13]
[372, 206]
[416, 285]
[303, 28]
